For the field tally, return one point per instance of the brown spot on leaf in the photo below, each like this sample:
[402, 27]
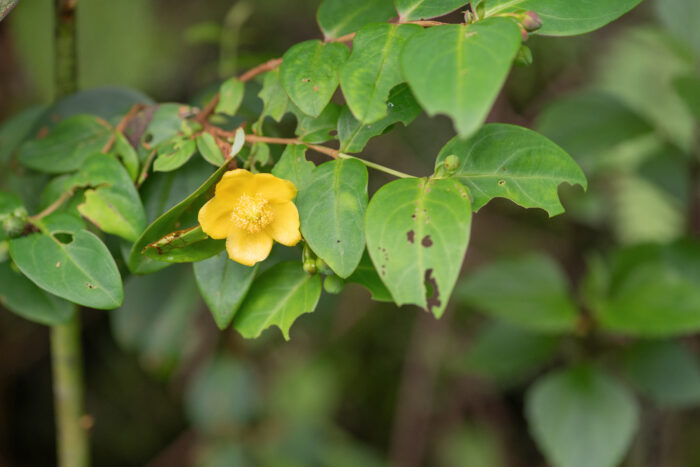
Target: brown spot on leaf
[58, 264]
[501, 182]
[305, 80]
[90, 286]
[316, 89]
[42, 133]
[410, 236]
[432, 291]
[427, 241]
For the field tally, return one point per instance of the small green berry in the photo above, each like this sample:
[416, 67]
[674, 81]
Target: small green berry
[523, 57]
[333, 284]
[310, 266]
[451, 163]
[322, 267]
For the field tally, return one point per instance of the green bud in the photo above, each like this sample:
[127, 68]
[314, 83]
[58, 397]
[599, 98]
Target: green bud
[14, 222]
[310, 266]
[481, 10]
[333, 284]
[322, 267]
[531, 21]
[451, 163]
[524, 56]
[4, 251]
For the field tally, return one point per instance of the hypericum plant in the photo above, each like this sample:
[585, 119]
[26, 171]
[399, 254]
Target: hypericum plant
[121, 193]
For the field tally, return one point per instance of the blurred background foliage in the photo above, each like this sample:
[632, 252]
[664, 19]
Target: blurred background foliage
[365, 383]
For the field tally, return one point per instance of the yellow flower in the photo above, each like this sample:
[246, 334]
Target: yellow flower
[249, 211]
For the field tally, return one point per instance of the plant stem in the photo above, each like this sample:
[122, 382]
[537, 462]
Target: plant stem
[66, 359]
[334, 153]
[66, 350]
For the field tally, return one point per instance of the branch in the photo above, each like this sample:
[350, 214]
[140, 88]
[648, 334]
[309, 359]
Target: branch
[121, 126]
[53, 206]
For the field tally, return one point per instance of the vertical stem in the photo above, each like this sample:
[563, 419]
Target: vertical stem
[71, 423]
[66, 347]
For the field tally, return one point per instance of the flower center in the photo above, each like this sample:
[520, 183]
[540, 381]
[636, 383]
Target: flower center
[252, 213]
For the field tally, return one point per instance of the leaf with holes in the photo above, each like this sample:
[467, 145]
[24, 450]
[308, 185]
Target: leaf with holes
[181, 215]
[223, 284]
[67, 146]
[530, 291]
[417, 234]
[508, 161]
[278, 297]
[309, 74]
[459, 70]
[339, 17]
[21, 296]
[70, 262]
[402, 107]
[373, 69]
[111, 201]
[410, 10]
[560, 18]
[173, 154]
[331, 210]
[580, 417]
[294, 167]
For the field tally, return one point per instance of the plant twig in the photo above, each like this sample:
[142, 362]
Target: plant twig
[144, 170]
[334, 153]
[121, 126]
[53, 206]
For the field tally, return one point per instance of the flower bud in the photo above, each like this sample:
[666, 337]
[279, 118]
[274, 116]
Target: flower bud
[524, 56]
[531, 21]
[333, 284]
[451, 163]
[14, 222]
[310, 266]
[322, 267]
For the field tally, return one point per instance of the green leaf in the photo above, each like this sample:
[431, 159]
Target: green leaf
[580, 417]
[78, 268]
[16, 129]
[223, 284]
[127, 154]
[688, 88]
[373, 69]
[9, 202]
[368, 277]
[183, 213]
[210, 151]
[566, 18]
[331, 210]
[654, 291]
[278, 297]
[665, 371]
[508, 161]
[21, 296]
[309, 74]
[208, 400]
[531, 292]
[158, 319]
[6, 6]
[67, 146]
[410, 10]
[230, 96]
[174, 154]
[680, 18]
[417, 234]
[111, 201]
[339, 17]
[294, 167]
[402, 107]
[184, 246]
[459, 70]
[317, 130]
[588, 124]
[165, 122]
[274, 96]
[508, 354]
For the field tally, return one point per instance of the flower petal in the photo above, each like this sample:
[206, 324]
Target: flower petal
[285, 225]
[273, 189]
[215, 217]
[246, 248]
[234, 183]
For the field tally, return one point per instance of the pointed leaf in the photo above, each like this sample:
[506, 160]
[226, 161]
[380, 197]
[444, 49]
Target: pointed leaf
[126, 153]
[580, 417]
[67, 146]
[223, 284]
[402, 107]
[566, 18]
[21, 296]
[508, 161]
[274, 96]
[459, 70]
[417, 234]
[230, 96]
[331, 210]
[184, 246]
[339, 17]
[423, 9]
[210, 151]
[278, 297]
[373, 69]
[79, 268]
[309, 74]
